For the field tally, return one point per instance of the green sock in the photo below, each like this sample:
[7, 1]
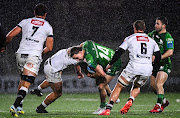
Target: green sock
[160, 98]
[103, 104]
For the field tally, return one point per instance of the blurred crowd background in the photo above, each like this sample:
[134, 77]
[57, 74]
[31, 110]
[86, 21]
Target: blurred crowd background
[106, 22]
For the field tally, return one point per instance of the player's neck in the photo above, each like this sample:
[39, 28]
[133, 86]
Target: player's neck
[40, 17]
[162, 31]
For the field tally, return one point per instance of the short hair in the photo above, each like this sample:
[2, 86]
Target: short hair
[163, 20]
[75, 50]
[139, 25]
[40, 9]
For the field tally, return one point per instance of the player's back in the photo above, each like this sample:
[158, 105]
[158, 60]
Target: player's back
[100, 54]
[34, 33]
[141, 48]
[61, 60]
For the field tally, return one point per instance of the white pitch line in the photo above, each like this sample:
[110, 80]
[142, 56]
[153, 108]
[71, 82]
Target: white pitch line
[75, 99]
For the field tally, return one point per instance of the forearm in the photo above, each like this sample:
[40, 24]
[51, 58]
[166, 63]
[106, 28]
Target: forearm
[167, 54]
[117, 55]
[99, 70]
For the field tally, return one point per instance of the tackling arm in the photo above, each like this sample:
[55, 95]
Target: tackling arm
[49, 45]
[12, 34]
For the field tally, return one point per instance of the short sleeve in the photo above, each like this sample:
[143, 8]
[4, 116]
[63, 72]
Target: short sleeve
[124, 45]
[50, 31]
[22, 23]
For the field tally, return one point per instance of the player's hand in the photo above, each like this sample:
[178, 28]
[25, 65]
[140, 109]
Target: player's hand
[3, 49]
[80, 75]
[107, 67]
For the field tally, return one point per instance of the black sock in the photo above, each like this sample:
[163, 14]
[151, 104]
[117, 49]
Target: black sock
[41, 107]
[20, 96]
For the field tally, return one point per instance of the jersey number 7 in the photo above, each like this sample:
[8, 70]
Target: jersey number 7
[35, 29]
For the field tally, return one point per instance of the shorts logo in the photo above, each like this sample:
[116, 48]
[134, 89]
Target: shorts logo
[30, 65]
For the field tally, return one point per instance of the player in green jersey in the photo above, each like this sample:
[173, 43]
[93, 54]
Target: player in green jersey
[158, 78]
[97, 58]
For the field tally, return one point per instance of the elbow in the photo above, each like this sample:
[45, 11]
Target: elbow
[171, 52]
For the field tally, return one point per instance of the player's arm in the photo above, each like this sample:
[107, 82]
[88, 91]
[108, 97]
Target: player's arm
[79, 73]
[156, 64]
[49, 45]
[116, 56]
[167, 54]
[12, 34]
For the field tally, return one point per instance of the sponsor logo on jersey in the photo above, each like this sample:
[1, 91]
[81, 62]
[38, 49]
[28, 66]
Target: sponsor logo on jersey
[169, 39]
[141, 56]
[142, 38]
[169, 44]
[37, 22]
[30, 65]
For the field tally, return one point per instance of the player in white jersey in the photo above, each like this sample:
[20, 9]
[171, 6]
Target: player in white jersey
[141, 49]
[35, 32]
[53, 68]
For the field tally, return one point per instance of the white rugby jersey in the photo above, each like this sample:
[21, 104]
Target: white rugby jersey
[141, 48]
[61, 60]
[34, 33]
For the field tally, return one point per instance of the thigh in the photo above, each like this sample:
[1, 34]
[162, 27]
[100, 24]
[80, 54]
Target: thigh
[33, 63]
[21, 60]
[140, 80]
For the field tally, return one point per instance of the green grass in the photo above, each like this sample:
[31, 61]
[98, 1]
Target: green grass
[82, 105]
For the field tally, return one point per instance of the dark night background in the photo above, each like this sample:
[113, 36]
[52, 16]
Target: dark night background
[106, 22]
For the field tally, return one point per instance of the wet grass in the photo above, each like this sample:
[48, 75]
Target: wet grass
[81, 105]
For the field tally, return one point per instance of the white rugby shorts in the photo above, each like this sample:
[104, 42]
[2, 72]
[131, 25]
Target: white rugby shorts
[29, 62]
[51, 76]
[130, 77]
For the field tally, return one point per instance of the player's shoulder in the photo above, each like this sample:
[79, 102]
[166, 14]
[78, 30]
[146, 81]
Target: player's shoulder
[168, 35]
[152, 33]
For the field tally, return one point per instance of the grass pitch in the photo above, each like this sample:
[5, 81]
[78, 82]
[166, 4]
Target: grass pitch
[81, 105]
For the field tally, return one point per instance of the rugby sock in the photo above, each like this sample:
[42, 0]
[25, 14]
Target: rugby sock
[160, 98]
[110, 105]
[103, 104]
[131, 98]
[39, 87]
[42, 105]
[21, 104]
[20, 96]
[164, 101]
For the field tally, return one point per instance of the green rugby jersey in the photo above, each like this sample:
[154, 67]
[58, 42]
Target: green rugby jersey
[97, 54]
[165, 42]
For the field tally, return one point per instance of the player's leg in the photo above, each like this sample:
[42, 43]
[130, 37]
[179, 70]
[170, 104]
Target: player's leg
[102, 93]
[26, 81]
[122, 82]
[37, 91]
[160, 80]
[29, 66]
[108, 91]
[138, 81]
[153, 84]
[57, 92]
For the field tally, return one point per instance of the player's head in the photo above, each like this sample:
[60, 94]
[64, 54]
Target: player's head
[77, 53]
[161, 23]
[139, 26]
[40, 10]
